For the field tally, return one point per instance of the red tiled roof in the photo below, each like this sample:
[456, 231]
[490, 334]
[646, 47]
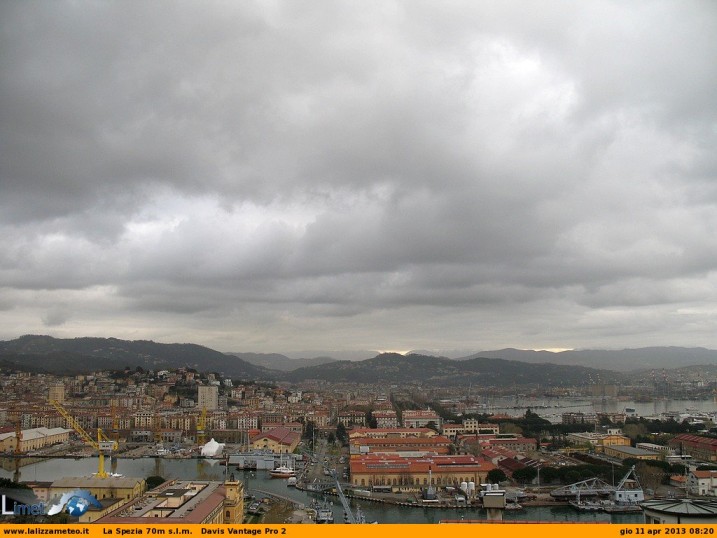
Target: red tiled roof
[281, 435]
[437, 464]
[520, 440]
[704, 474]
[376, 431]
[695, 439]
[436, 440]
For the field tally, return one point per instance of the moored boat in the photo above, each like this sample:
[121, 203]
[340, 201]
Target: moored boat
[324, 515]
[282, 472]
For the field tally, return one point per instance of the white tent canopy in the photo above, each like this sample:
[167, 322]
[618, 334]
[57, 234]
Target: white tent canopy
[212, 448]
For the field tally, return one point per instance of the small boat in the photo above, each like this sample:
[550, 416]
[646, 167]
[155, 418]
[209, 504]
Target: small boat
[587, 506]
[324, 515]
[291, 482]
[614, 508]
[282, 472]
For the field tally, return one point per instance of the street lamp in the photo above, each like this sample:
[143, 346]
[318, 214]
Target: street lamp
[538, 475]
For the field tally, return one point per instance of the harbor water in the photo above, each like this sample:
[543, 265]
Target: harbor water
[257, 482]
[553, 408]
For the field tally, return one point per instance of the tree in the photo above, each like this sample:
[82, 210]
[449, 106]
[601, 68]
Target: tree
[6, 483]
[650, 475]
[605, 421]
[678, 468]
[571, 476]
[510, 427]
[309, 430]
[635, 430]
[548, 475]
[496, 476]
[526, 474]
[154, 481]
[432, 425]
[371, 421]
[341, 434]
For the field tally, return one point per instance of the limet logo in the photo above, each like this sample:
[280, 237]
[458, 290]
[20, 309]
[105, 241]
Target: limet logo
[18, 502]
[75, 503]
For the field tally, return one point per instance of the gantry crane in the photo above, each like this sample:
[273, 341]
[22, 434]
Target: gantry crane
[102, 444]
[18, 437]
[156, 427]
[18, 449]
[201, 426]
[115, 422]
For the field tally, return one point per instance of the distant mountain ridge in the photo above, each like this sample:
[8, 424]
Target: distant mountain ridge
[77, 355]
[497, 368]
[277, 361]
[394, 368]
[623, 360]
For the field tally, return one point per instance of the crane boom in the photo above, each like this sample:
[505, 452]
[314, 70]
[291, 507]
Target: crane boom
[201, 427]
[72, 422]
[624, 478]
[102, 444]
[344, 501]
[18, 437]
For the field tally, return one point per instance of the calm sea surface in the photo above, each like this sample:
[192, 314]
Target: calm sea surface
[259, 481]
[552, 408]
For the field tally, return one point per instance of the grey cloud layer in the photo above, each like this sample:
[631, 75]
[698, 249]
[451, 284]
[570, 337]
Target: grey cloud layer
[421, 174]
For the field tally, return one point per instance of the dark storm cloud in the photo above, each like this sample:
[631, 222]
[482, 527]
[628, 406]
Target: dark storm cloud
[464, 174]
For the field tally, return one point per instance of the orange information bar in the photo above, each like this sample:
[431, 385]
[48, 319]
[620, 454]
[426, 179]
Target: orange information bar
[499, 530]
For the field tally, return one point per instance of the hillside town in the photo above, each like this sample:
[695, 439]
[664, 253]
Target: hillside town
[409, 445]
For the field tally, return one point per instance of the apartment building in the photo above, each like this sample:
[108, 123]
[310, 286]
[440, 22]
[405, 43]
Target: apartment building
[420, 418]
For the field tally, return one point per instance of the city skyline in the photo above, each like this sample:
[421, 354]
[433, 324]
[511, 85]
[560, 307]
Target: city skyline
[377, 176]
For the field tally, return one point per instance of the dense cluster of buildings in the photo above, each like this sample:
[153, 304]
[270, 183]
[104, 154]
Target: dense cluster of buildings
[166, 406]
[387, 445]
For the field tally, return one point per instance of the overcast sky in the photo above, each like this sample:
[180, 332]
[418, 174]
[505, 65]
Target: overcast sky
[285, 175]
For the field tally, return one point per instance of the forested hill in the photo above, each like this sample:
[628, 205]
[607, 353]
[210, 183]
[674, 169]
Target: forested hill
[396, 369]
[83, 355]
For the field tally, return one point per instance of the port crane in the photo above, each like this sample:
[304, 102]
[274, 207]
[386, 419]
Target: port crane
[350, 517]
[18, 437]
[102, 444]
[115, 421]
[156, 429]
[201, 427]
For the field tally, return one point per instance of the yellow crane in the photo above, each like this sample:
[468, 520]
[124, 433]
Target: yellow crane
[102, 444]
[156, 427]
[115, 422]
[201, 426]
[18, 449]
[18, 437]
